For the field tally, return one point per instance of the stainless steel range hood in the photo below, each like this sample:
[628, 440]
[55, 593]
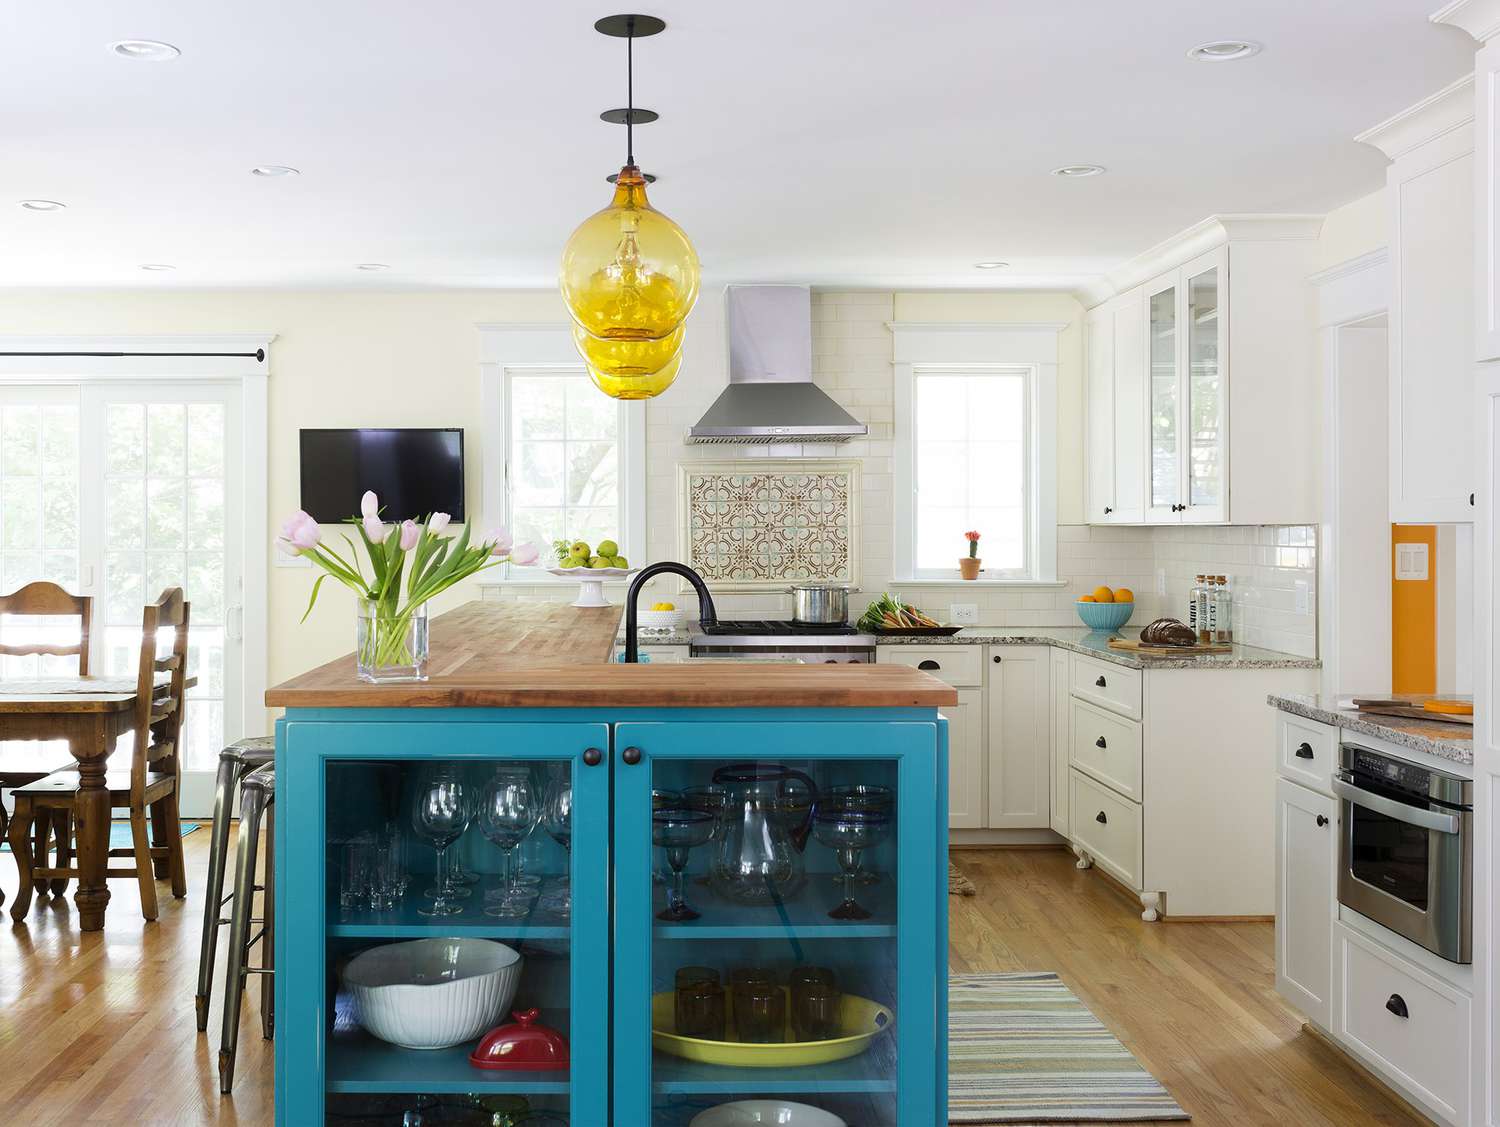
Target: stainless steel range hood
[771, 396]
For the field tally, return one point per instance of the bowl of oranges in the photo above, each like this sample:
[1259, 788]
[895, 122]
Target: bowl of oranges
[1106, 608]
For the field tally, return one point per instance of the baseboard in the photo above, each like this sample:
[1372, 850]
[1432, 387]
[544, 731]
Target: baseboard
[1218, 919]
[1013, 839]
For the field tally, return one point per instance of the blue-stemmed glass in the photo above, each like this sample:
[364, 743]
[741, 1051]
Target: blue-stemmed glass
[678, 831]
[849, 832]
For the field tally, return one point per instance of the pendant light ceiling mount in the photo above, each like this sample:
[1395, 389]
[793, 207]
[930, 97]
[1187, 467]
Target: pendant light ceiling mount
[630, 26]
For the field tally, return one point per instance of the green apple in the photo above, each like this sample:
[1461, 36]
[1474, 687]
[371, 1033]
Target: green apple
[598, 562]
[619, 561]
[608, 549]
[579, 550]
[571, 561]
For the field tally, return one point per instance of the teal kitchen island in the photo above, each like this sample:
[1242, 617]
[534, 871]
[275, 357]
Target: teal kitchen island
[764, 793]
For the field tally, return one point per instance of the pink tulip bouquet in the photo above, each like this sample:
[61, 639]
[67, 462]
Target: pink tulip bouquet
[391, 636]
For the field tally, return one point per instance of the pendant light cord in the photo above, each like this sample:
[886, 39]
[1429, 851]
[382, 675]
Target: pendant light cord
[630, 95]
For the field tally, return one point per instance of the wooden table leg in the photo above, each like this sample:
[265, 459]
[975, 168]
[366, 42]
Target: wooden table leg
[91, 822]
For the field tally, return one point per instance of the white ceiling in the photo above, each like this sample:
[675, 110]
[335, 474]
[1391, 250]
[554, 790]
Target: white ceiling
[864, 142]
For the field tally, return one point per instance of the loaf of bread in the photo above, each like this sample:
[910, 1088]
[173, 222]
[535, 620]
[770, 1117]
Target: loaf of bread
[1169, 632]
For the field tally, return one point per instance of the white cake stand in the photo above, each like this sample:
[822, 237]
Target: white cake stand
[591, 582]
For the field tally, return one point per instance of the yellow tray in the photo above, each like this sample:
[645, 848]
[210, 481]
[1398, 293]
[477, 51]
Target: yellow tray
[860, 1019]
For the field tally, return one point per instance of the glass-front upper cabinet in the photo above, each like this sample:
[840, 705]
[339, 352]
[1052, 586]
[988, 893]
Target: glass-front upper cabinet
[1187, 342]
[779, 926]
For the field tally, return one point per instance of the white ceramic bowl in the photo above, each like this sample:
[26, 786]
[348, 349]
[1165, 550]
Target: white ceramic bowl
[664, 621]
[766, 1113]
[433, 993]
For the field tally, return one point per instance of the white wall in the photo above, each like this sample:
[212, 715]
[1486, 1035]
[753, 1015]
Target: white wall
[1357, 228]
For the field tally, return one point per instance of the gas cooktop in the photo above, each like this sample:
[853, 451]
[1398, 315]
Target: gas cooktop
[776, 628]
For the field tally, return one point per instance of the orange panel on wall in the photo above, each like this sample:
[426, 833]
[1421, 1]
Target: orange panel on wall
[1413, 611]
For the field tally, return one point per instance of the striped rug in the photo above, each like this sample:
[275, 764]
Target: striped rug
[1023, 1049]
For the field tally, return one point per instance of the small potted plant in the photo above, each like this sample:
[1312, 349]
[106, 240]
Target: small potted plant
[968, 566]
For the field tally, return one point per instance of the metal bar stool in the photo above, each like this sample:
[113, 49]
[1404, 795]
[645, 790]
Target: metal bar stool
[257, 803]
[235, 762]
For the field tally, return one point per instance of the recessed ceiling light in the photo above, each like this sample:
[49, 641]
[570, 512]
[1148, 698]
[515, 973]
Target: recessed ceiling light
[144, 50]
[157, 266]
[1224, 50]
[990, 265]
[1077, 171]
[274, 170]
[42, 205]
[371, 266]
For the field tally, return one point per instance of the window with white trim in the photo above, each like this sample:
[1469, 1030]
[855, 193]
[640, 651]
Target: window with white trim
[970, 468]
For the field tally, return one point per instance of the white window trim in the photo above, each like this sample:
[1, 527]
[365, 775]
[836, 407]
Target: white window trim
[1031, 346]
[253, 376]
[503, 348]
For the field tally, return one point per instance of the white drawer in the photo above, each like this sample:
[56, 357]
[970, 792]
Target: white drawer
[1109, 827]
[1307, 751]
[1427, 1050]
[1107, 747]
[962, 666]
[1109, 686]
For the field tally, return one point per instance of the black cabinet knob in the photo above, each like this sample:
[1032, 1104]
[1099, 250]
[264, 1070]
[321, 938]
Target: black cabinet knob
[1101, 819]
[1107, 510]
[1304, 751]
[1099, 742]
[928, 664]
[592, 757]
[1322, 819]
[1397, 1005]
[631, 755]
[1100, 681]
[996, 659]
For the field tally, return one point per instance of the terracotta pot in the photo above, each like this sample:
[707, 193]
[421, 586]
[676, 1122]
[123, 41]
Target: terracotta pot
[968, 567]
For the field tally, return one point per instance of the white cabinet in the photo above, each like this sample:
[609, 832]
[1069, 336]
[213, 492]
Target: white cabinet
[1116, 411]
[1306, 864]
[1019, 754]
[1099, 394]
[1062, 706]
[966, 794]
[1431, 193]
[1487, 202]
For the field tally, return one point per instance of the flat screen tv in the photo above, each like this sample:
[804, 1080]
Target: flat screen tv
[414, 472]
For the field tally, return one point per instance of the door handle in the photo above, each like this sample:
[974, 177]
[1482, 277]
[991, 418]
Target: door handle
[1101, 819]
[631, 755]
[1100, 681]
[1100, 742]
[928, 664]
[592, 757]
[1322, 820]
[234, 624]
[1412, 815]
[1397, 1005]
[1304, 751]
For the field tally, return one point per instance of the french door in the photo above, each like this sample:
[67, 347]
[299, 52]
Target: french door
[119, 490]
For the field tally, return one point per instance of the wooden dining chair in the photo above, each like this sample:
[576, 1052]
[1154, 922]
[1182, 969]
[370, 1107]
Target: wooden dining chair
[19, 760]
[148, 790]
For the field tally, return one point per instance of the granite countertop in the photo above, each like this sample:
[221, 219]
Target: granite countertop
[1075, 638]
[1454, 742]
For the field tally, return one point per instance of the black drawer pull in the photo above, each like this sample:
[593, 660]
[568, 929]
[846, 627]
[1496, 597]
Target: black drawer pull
[631, 755]
[592, 757]
[1397, 1005]
[1322, 819]
[1304, 751]
[928, 664]
[1099, 742]
[996, 659]
[1100, 681]
[1101, 819]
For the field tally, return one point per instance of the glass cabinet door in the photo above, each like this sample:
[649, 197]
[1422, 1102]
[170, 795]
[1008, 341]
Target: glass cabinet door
[779, 927]
[1165, 399]
[1206, 407]
[442, 880]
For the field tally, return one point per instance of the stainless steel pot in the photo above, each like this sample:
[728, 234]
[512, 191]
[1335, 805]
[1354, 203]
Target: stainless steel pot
[820, 604]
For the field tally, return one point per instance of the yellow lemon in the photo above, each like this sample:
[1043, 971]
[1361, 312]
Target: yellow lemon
[1124, 595]
[1103, 595]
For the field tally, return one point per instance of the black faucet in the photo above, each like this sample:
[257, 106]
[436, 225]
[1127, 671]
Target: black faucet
[706, 613]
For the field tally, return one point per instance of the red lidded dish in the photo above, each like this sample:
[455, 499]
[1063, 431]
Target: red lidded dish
[522, 1045]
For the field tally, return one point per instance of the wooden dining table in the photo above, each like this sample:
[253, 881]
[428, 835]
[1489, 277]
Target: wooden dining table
[90, 723]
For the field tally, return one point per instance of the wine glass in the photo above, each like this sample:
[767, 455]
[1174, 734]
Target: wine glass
[530, 882]
[861, 796]
[507, 813]
[849, 832]
[711, 798]
[678, 831]
[557, 819]
[440, 816]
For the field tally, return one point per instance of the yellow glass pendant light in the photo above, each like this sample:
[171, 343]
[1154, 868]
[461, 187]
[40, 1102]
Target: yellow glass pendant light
[629, 275]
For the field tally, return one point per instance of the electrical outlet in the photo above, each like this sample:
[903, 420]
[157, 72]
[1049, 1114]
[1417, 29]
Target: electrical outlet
[963, 614]
[1304, 594]
[1161, 581]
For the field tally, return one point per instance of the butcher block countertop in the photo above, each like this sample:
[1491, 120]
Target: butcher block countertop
[549, 655]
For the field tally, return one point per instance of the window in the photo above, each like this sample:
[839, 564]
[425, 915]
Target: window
[976, 448]
[969, 439]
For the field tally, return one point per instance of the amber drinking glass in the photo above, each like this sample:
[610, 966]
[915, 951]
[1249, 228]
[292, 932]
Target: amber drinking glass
[815, 1011]
[760, 1013]
[699, 1011]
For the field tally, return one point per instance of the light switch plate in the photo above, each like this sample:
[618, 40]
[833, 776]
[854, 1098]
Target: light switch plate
[1161, 581]
[1304, 597]
[1411, 561]
[963, 614]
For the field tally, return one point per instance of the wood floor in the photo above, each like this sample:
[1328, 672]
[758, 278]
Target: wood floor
[98, 1028]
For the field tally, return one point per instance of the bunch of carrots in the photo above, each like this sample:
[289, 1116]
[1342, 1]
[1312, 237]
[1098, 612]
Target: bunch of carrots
[890, 613]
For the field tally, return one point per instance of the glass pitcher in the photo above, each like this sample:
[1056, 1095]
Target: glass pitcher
[763, 830]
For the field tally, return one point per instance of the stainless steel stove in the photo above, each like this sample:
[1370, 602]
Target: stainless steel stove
[770, 639]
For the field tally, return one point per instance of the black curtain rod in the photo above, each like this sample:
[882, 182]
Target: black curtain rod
[259, 354]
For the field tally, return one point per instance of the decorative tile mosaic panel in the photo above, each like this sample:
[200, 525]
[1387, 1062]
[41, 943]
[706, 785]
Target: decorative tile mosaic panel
[765, 524]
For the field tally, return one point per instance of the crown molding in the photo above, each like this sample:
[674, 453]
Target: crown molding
[1434, 116]
[1378, 257]
[1479, 18]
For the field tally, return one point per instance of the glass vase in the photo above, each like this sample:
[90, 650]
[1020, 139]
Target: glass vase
[390, 645]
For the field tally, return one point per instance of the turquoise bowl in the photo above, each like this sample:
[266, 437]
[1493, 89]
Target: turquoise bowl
[1104, 616]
